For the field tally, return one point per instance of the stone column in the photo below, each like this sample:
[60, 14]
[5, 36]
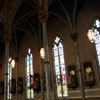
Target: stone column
[43, 16]
[42, 78]
[16, 67]
[74, 38]
[7, 39]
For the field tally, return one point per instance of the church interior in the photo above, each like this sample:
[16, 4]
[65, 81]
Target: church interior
[49, 49]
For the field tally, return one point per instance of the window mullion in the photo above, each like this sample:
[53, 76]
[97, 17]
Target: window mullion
[60, 69]
[30, 75]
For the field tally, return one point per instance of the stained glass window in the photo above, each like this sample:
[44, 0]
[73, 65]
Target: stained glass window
[29, 74]
[60, 72]
[96, 29]
[9, 78]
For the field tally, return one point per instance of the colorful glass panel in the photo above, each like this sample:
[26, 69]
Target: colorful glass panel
[64, 79]
[65, 91]
[60, 72]
[63, 69]
[58, 80]
[59, 91]
[56, 61]
[57, 70]
[55, 51]
[60, 49]
[29, 74]
[9, 79]
[96, 29]
[99, 59]
[62, 59]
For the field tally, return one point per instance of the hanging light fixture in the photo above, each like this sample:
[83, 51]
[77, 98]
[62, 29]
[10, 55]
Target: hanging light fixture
[90, 35]
[42, 53]
[13, 63]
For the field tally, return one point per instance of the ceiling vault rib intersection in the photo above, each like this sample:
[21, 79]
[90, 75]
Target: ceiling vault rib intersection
[66, 14]
[61, 19]
[35, 34]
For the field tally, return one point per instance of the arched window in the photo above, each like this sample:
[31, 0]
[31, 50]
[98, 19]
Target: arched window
[96, 29]
[59, 66]
[9, 78]
[29, 75]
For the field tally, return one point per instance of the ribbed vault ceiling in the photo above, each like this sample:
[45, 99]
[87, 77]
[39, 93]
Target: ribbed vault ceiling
[26, 18]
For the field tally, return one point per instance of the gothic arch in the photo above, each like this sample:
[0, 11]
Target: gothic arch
[53, 36]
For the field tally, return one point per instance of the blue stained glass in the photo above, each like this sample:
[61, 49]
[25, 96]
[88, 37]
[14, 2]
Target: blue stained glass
[96, 29]
[9, 96]
[97, 39]
[27, 62]
[31, 61]
[57, 40]
[29, 73]
[61, 82]
[63, 69]
[97, 23]
[57, 70]
[98, 49]
[56, 61]
[99, 59]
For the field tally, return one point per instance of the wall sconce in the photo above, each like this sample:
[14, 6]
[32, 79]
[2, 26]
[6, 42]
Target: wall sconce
[42, 53]
[90, 35]
[13, 63]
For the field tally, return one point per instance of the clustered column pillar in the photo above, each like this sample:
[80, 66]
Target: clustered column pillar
[74, 38]
[7, 39]
[42, 78]
[16, 63]
[43, 16]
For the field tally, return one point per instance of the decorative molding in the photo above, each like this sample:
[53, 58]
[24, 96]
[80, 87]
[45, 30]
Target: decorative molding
[43, 16]
[86, 90]
[7, 38]
[79, 97]
[53, 35]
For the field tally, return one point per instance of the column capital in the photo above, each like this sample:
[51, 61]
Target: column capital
[74, 36]
[7, 38]
[43, 16]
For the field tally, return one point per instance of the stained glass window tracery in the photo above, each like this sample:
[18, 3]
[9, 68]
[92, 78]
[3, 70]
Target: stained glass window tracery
[29, 74]
[60, 72]
[96, 29]
[9, 79]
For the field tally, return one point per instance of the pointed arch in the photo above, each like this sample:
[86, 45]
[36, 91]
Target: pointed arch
[59, 69]
[96, 29]
[9, 95]
[29, 74]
